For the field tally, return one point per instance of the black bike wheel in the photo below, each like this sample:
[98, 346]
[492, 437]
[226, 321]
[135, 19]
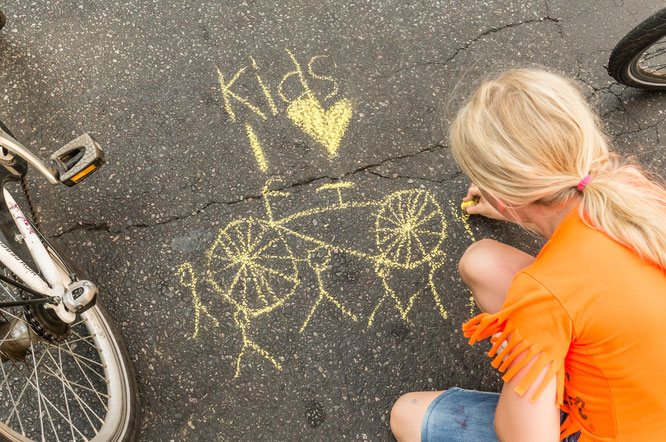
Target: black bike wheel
[639, 59]
[2, 19]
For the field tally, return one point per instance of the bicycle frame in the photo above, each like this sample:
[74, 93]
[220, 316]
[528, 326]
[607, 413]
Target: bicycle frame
[54, 286]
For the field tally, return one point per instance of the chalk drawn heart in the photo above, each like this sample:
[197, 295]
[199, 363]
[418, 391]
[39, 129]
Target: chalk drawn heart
[324, 126]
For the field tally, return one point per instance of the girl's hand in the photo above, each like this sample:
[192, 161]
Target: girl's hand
[482, 207]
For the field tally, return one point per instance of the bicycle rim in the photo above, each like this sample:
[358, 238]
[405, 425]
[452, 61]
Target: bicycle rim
[649, 66]
[74, 389]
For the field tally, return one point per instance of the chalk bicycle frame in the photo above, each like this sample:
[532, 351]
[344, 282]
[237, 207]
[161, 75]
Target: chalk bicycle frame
[65, 373]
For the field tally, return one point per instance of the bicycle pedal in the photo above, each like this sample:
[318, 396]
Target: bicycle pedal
[78, 159]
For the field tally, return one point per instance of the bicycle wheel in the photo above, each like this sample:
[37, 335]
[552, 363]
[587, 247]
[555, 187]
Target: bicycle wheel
[639, 59]
[60, 382]
[73, 383]
[2, 19]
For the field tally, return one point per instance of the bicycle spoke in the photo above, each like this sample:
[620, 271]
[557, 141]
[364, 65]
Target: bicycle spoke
[81, 401]
[11, 395]
[64, 392]
[84, 339]
[47, 401]
[651, 55]
[18, 401]
[39, 392]
[76, 384]
[87, 378]
[77, 356]
[73, 383]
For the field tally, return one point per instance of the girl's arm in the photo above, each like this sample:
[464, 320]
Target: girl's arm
[517, 419]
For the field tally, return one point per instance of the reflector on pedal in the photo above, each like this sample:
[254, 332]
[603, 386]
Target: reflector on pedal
[78, 159]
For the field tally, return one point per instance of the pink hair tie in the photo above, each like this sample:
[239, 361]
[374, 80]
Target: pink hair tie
[584, 182]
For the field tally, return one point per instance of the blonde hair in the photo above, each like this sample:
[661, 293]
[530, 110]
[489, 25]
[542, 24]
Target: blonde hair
[529, 136]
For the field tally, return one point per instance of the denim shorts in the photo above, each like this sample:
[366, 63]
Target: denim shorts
[459, 415]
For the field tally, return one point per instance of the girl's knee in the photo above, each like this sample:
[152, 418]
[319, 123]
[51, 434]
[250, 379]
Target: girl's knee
[399, 415]
[406, 416]
[408, 412]
[478, 260]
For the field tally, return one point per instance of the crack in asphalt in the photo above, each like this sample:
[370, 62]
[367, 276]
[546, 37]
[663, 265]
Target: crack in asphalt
[106, 227]
[407, 177]
[640, 129]
[464, 47]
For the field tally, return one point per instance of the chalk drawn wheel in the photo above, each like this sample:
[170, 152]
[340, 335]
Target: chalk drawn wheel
[409, 228]
[252, 266]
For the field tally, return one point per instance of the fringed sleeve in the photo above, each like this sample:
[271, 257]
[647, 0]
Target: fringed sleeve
[534, 322]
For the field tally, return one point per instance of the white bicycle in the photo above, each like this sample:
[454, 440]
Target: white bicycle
[65, 373]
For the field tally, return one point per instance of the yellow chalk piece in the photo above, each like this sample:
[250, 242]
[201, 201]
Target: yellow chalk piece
[468, 203]
[226, 93]
[327, 127]
[256, 148]
[267, 93]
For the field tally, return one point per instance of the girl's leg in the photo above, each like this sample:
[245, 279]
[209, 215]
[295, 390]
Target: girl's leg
[407, 414]
[488, 268]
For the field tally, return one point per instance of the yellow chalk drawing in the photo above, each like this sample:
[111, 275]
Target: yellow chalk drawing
[255, 266]
[326, 126]
[319, 268]
[337, 186]
[256, 148]
[226, 93]
[334, 92]
[264, 89]
[186, 271]
[463, 217]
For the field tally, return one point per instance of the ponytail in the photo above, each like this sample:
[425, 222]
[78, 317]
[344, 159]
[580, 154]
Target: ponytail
[623, 202]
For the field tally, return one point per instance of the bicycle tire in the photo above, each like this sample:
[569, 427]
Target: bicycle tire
[2, 19]
[118, 392]
[624, 62]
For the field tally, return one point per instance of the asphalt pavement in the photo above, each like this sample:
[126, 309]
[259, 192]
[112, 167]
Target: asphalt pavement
[277, 228]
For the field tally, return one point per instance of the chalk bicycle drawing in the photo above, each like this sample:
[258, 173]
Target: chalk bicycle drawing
[64, 370]
[253, 265]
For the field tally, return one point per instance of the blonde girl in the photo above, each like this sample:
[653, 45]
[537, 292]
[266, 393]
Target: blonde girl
[577, 330]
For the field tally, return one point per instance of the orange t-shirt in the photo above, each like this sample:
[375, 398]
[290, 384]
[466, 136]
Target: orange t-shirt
[595, 311]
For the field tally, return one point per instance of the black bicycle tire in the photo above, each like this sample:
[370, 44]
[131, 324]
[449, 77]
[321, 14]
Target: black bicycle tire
[624, 57]
[3, 19]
